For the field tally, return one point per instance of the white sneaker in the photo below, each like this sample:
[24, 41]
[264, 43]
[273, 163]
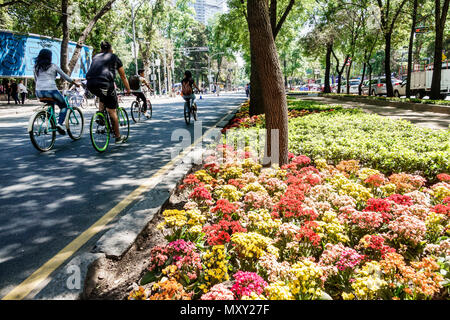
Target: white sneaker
[146, 114]
[61, 129]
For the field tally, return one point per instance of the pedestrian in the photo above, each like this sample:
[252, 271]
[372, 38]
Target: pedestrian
[247, 89]
[22, 91]
[8, 90]
[14, 92]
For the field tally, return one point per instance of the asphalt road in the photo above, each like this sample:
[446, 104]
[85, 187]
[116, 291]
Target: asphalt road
[48, 199]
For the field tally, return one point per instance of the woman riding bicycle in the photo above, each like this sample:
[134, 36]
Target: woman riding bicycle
[186, 88]
[45, 73]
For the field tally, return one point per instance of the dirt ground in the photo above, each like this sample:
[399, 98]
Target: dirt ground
[111, 279]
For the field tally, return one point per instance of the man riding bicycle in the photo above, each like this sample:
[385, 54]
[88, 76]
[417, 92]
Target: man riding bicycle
[140, 94]
[100, 82]
[186, 88]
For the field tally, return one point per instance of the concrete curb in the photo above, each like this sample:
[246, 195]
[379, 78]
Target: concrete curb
[121, 236]
[418, 107]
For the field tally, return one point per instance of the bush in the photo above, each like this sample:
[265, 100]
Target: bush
[382, 143]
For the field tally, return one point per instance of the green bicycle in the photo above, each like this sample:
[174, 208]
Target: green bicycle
[101, 128]
[42, 124]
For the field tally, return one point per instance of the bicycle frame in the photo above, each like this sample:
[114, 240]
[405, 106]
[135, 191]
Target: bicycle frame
[53, 115]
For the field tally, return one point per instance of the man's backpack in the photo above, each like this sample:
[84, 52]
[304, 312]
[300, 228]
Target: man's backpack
[135, 82]
[186, 89]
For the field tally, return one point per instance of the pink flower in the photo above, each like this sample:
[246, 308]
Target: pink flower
[246, 283]
[218, 292]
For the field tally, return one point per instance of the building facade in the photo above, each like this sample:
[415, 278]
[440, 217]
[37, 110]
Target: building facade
[207, 9]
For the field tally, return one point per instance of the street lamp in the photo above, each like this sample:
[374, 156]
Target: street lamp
[209, 65]
[135, 5]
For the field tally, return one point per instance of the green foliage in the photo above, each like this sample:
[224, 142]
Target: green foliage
[381, 143]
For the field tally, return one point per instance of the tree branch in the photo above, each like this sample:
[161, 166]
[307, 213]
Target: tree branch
[283, 18]
[243, 9]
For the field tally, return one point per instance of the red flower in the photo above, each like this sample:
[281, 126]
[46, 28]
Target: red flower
[442, 208]
[220, 233]
[400, 199]
[200, 193]
[375, 180]
[224, 207]
[380, 205]
[444, 177]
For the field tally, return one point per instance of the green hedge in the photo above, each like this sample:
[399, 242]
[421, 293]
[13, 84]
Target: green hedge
[310, 105]
[382, 143]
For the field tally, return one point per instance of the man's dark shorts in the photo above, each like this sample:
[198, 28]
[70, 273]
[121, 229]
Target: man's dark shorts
[143, 98]
[105, 92]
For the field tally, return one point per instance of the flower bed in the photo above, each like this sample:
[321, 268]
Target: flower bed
[302, 231]
[296, 109]
[336, 134]
[379, 142]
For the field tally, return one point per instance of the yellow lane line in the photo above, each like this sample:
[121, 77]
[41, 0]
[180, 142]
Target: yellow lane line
[41, 274]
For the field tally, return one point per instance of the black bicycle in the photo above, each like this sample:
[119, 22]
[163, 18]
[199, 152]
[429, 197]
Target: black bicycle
[137, 110]
[190, 110]
[101, 128]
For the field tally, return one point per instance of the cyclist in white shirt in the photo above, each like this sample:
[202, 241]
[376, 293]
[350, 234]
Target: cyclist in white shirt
[45, 73]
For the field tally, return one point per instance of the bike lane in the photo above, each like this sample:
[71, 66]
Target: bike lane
[47, 200]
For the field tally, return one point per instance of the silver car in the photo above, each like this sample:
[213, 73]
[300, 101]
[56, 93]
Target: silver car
[378, 85]
[400, 89]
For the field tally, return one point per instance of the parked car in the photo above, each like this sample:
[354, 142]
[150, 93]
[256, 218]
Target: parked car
[354, 86]
[365, 88]
[378, 85]
[400, 89]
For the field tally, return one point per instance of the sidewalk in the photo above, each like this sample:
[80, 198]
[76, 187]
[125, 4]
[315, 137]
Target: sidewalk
[423, 115]
[29, 106]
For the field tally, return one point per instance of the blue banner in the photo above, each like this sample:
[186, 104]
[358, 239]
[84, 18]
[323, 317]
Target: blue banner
[17, 54]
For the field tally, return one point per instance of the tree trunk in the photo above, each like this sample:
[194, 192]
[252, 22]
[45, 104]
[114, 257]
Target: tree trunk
[362, 79]
[327, 88]
[348, 76]
[256, 94]
[410, 49]
[268, 68]
[65, 37]
[387, 65]
[340, 72]
[438, 47]
[84, 35]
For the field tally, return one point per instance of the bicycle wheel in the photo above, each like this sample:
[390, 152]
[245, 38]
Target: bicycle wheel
[100, 132]
[187, 114]
[149, 109]
[43, 131]
[124, 122]
[194, 111]
[136, 111]
[85, 102]
[75, 123]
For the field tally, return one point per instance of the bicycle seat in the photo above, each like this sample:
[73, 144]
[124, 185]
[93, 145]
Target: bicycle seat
[47, 100]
